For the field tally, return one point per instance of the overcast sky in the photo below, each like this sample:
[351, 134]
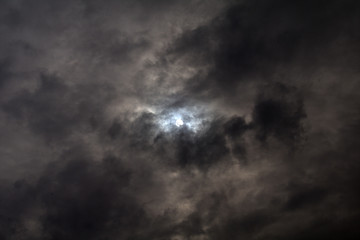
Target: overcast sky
[179, 119]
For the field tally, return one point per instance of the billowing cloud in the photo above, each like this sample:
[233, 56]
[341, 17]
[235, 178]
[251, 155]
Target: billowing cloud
[201, 120]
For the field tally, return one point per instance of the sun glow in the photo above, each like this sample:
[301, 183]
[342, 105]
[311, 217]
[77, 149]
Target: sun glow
[179, 122]
[184, 118]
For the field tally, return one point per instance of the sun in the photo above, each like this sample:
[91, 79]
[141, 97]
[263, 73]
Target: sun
[179, 122]
[189, 119]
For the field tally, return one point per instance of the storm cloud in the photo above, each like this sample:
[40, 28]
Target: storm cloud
[200, 120]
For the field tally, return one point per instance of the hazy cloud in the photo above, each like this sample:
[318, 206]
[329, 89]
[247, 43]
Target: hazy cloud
[201, 120]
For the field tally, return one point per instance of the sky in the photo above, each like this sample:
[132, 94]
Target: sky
[179, 119]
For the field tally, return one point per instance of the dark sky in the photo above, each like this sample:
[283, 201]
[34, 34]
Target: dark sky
[179, 120]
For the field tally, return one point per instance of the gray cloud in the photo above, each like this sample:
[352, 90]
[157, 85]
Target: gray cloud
[200, 120]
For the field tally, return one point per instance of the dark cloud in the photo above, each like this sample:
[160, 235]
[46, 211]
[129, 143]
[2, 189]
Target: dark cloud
[77, 198]
[279, 115]
[204, 150]
[114, 130]
[86, 201]
[55, 109]
[249, 40]
[245, 226]
[4, 72]
[199, 120]
[235, 129]
[301, 199]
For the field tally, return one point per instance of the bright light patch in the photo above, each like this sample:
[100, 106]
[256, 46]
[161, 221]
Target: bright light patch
[179, 122]
[187, 118]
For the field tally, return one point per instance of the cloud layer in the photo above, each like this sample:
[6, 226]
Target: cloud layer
[90, 92]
